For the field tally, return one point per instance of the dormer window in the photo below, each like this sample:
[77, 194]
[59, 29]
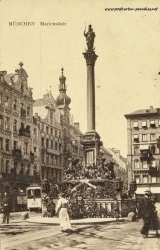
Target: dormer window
[152, 124]
[135, 124]
[144, 124]
[136, 138]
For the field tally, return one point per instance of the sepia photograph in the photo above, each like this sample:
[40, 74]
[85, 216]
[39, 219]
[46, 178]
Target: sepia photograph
[79, 124]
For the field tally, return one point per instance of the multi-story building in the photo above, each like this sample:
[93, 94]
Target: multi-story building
[50, 138]
[112, 155]
[18, 132]
[120, 166]
[143, 133]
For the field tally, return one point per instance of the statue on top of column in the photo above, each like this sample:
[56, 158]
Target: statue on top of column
[90, 35]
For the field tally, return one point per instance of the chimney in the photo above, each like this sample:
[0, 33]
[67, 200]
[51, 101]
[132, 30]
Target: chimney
[151, 107]
[76, 125]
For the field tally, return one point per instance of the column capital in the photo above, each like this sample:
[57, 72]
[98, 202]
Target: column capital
[90, 57]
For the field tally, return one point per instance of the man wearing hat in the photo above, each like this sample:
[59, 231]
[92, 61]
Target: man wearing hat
[147, 211]
[5, 208]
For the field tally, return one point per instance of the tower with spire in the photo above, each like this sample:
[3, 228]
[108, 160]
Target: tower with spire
[63, 102]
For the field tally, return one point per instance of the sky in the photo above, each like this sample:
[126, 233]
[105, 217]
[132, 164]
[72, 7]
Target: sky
[127, 43]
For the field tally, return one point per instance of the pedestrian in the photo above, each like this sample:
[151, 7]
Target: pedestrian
[147, 212]
[62, 210]
[6, 206]
[116, 209]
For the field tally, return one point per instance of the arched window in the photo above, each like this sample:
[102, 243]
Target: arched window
[136, 163]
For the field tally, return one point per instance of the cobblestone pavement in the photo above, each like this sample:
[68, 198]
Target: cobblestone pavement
[123, 235]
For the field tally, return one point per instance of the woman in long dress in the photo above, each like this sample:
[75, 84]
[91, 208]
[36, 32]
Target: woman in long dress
[62, 209]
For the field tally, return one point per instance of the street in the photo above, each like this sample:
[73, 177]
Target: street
[20, 235]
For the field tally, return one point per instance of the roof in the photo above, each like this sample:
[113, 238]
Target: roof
[47, 100]
[117, 159]
[41, 110]
[144, 112]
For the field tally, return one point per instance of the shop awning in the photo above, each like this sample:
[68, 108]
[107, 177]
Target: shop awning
[154, 190]
[144, 147]
[135, 136]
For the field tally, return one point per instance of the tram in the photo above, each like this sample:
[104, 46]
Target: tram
[34, 201]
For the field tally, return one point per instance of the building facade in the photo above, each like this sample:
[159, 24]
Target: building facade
[143, 135]
[18, 132]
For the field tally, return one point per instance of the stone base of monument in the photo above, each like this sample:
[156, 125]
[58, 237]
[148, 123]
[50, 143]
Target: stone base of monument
[24, 215]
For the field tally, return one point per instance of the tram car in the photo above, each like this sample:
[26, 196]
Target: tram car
[34, 200]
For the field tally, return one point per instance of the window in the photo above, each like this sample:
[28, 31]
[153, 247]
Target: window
[153, 149]
[51, 131]
[137, 179]
[28, 127]
[1, 121]
[153, 137]
[152, 124]
[42, 128]
[153, 163]
[51, 159]
[135, 124]
[56, 159]
[159, 123]
[6, 101]
[51, 118]
[15, 125]
[35, 133]
[136, 163]
[55, 133]
[47, 158]
[7, 166]
[42, 142]
[154, 179]
[60, 147]
[144, 164]
[144, 124]
[136, 150]
[1, 100]
[1, 143]
[144, 137]
[47, 143]
[14, 145]
[56, 146]
[35, 150]
[7, 144]
[145, 178]
[28, 110]
[51, 144]
[26, 148]
[15, 104]
[6, 122]
[22, 167]
[47, 130]
[59, 135]
[135, 138]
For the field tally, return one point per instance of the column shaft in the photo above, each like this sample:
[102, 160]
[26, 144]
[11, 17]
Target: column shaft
[90, 98]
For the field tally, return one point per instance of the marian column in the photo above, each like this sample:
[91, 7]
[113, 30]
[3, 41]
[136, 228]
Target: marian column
[91, 140]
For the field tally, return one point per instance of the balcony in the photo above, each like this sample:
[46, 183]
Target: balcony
[144, 156]
[154, 171]
[24, 132]
[17, 153]
[53, 151]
